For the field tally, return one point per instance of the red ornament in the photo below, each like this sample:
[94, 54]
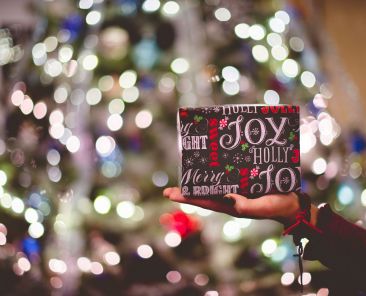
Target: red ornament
[180, 222]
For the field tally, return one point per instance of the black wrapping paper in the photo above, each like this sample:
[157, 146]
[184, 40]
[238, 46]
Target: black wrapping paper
[250, 150]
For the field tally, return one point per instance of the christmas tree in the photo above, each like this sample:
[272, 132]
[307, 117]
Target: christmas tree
[88, 141]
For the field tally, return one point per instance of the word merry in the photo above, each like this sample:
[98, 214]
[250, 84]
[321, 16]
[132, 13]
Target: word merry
[270, 154]
[194, 142]
[197, 177]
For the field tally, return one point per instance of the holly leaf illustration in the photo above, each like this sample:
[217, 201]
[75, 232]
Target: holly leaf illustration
[244, 146]
[291, 136]
[197, 118]
[229, 167]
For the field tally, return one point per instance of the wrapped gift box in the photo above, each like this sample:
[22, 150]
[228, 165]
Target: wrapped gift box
[250, 150]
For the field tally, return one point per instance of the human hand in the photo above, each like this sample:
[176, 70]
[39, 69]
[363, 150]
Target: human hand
[279, 207]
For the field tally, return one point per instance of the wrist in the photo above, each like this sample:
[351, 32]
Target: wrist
[289, 216]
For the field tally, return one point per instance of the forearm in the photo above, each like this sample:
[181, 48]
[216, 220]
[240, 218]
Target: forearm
[341, 246]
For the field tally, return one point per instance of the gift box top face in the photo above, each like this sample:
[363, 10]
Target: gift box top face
[251, 150]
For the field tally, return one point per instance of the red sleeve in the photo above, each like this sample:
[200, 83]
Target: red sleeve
[341, 247]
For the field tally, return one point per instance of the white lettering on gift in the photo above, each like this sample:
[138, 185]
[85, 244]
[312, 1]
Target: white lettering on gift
[278, 130]
[194, 142]
[227, 141]
[198, 176]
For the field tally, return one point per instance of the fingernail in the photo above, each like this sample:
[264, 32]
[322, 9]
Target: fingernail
[229, 199]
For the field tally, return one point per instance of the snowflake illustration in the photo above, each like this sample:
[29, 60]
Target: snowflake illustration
[254, 131]
[189, 161]
[223, 122]
[238, 158]
[196, 154]
[254, 172]
[285, 180]
[247, 158]
[225, 155]
[206, 110]
[203, 160]
[216, 109]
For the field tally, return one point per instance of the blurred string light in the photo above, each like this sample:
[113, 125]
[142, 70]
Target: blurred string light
[40, 110]
[287, 278]
[242, 30]
[111, 258]
[93, 96]
[105, 145]
[319, 166]
[201, 279]
[57, 265]
[222, 14]
[173, 276]
[274, 39]
[24, 264]
[84, 264]
[363, 198]
[128, 79]
[232, 231]
[126, 209]
[271, 97]
[231, 88]
[276, 25]
[297, 44]
[279, 254]
[85, 4]
[306, 278]
[131, 94]
[73, 144]
[114, 122]
[36, 230]
[96, 268]
[90, 62]
[345, 194]
[102, 204]
[172, 239]
[290, 68]
[105, 83]
[308, 79]
[260, 53]
[279, 52]
[268, 247]
[145, 251]
[116, 106]
[61, 93]
[93, 17]
[170, 8]
[143, 119]
[230, 74]
[257, 32]
[151, 5]
[160, 178]
[179, 65]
